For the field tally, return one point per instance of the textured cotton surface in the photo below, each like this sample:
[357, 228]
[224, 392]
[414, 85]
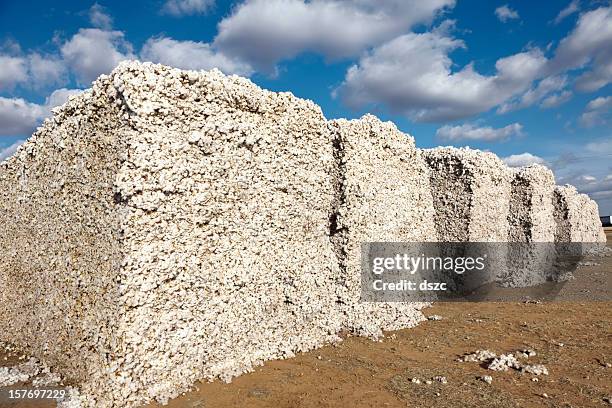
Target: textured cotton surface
[228, 193]
[384, 195]
[169, 226]
[532, 225]
[60, 237]
[471, 193]
[531, 205]
[576, 217]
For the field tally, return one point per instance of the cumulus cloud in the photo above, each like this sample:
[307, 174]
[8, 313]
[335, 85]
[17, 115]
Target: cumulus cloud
[264, 32]
[46, 70]
[597, 112]
[523, 159]
[505, 13]
[555, 100]
[602, 147]
[412, 74]
[191, 55]
[601, 191]
[588, 45]
[571, 8]
[19, 117]
[92, 52]
[14, 71]
[98, 17]
[33, 70]
[549, 91]
[179, 8]
[10, 46]
[471, 131]
[10, 150]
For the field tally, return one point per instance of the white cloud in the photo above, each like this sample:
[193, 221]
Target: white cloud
[92, 52]
[46, 70]
[555, 100]
[414, 75]
[14, 71]
[548, 91]
[19, 117]
[523, 159]
[505, 13]
[571, 8]
[411, 74]
[588, 45]
[99, 18]
[10, 46]
[596, 112]
[10, 150]
[179, 8]
[191, 55]
[470, 131]
[602, 147]
[33, 70]
[264, 32]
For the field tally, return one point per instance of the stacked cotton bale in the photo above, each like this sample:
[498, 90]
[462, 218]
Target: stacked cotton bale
[166, 227]
[471, 195]
[531, 205]
[384, 197]
[532, 227]
[228, 191]
[576, 217]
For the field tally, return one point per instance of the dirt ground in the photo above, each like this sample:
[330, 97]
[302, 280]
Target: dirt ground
[572, 337]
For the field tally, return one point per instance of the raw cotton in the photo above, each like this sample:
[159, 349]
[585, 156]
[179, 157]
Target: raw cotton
[227, 195]
[19, 373]
[169, 226]
[61, 232]
[531, 205]
[576, 217]
[532, 254]
[383, 196]
[471, 193]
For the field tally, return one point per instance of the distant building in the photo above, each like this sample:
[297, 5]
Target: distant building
[605, 220]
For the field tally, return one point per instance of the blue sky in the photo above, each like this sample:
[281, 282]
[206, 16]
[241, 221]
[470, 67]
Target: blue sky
[528, 81]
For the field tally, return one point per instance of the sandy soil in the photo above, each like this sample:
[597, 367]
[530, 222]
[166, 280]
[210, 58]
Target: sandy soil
[572, 337]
